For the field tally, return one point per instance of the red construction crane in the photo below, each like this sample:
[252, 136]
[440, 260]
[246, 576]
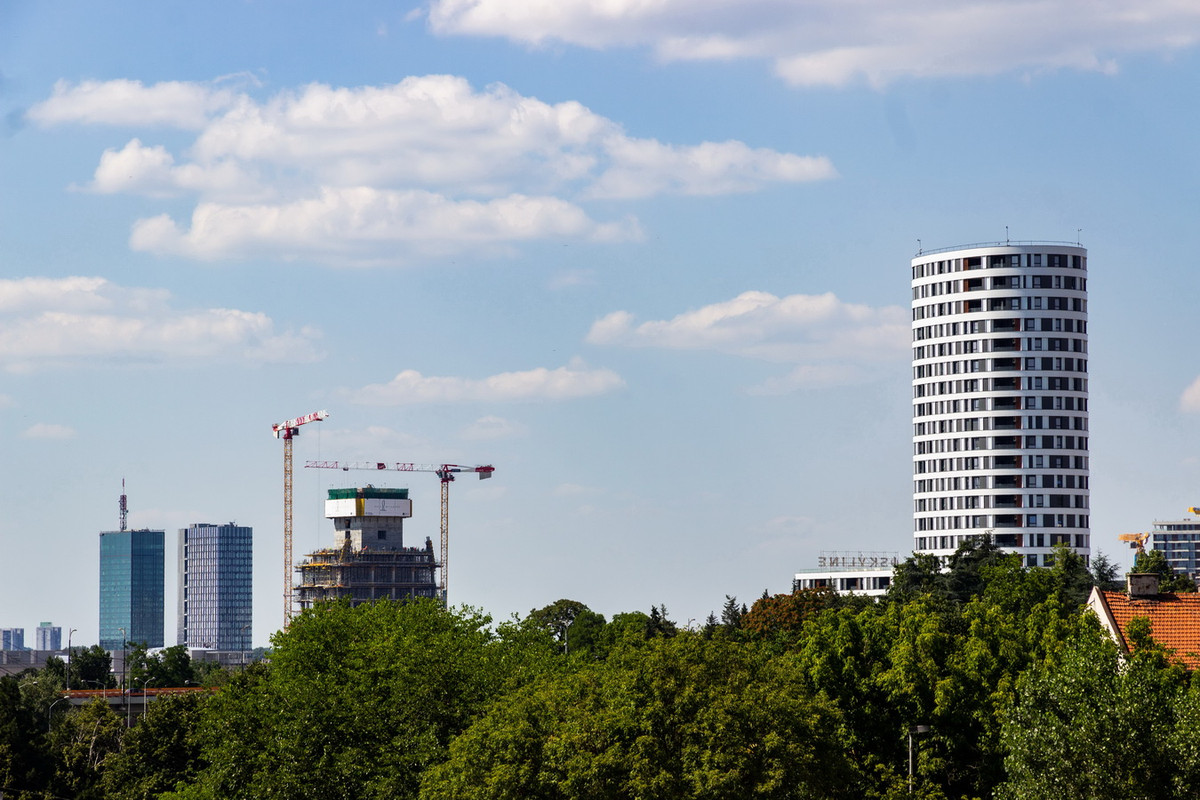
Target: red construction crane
[445, 473]
[288, 431]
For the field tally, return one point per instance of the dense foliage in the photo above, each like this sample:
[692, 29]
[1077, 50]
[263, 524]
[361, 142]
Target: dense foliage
[1014, 689]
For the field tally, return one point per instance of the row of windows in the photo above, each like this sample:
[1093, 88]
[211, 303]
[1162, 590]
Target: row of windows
[1053, 383]
[956, 484]
[960, 522]
[1007, 261]
[1005, 325]
[967, 444]
[924, 504]
[1080, 540]
[1030, 403]
[994, 304]
[1006, 345]
[970, 463]
[1037, 422]
[1004, 282]
[974, 365]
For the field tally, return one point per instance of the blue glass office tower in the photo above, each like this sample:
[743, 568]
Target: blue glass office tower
[215, 586]
[131, 588]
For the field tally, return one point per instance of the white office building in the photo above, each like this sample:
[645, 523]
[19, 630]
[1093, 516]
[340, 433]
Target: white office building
[1000, 398]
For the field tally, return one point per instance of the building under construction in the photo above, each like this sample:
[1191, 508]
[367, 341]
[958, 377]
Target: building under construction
[368, 560]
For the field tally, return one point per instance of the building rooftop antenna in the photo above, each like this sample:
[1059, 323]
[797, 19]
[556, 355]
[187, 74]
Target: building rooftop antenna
[124, 506]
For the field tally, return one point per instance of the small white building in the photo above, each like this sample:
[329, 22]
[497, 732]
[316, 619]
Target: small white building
[859, 572]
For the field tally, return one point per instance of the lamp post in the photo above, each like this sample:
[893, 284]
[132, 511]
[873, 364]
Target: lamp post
[916, 729]
[70, 656]
[124, 691]
[244, 643]
[50, 711]
[144, 684]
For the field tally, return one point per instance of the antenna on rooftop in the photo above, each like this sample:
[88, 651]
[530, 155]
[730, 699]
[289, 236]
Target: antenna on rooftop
[124, 506]
[1006, 239]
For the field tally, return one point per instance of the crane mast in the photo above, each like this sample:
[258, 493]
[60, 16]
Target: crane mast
[445, 473]
[287, 431]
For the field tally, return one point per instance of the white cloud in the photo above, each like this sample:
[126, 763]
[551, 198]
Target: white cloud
[642, 168]
[834, 42]
[572, 277]
[47, 321]
[492, 427]
[376, 442]
[367, 226]
[152, 171]
[564, 383]
[1189, 401]
[47, 430]
[130, 103]
[377, 174]
[760, 325]
[832, 342]
[811, 376]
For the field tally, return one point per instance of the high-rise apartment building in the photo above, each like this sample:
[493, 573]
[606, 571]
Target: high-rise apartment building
[1000, 398]
[49, 637]
[215, 598]
[1179, 541]
[12, 638]
[131, 588]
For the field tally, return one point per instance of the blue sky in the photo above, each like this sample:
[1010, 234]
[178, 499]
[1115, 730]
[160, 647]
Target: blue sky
[649, 259]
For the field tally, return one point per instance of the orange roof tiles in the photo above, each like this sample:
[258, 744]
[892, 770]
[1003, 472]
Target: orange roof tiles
[1174, 621]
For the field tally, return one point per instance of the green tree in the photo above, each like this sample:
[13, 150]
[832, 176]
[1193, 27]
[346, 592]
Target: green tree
[1106, 573]
[91, 667]
[22, 767]
[681, 717]
[1090, 726]
[558, 617]
[1155, 561]
[356, 702]
[585, 637]
[920, 573]
[731, 614]
[79, 744]
[160, 753]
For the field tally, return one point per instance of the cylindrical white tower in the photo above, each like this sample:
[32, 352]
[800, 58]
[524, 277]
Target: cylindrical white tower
[1000, 398]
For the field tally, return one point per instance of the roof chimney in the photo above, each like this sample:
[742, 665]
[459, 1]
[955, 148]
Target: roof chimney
[1141, 584]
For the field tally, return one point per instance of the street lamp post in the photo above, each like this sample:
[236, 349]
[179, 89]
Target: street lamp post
[124, 691]
[244, 643]
[70, 656]
[50, 711]
[144, 684]
[916, 729]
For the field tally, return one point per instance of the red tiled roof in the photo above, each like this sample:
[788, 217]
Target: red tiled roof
[1174, 621]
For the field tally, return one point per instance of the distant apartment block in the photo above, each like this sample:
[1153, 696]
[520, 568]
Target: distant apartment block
[215, 597]
[131, 588]
[1179, 541]
[12, 638]
[49, 637]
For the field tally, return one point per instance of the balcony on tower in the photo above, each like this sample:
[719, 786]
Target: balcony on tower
[1006, 345]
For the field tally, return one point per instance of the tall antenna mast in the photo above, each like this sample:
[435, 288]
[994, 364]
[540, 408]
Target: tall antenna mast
[124, 508]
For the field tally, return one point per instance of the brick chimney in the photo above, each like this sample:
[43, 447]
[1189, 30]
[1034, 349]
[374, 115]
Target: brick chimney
[1143, 585]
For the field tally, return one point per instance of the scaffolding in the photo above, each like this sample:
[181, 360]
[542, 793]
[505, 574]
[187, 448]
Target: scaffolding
[366, 575]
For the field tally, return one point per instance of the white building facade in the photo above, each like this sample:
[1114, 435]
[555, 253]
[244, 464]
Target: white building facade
[1000, 398]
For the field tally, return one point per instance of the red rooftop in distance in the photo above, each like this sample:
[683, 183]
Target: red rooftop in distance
[1174, 618]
